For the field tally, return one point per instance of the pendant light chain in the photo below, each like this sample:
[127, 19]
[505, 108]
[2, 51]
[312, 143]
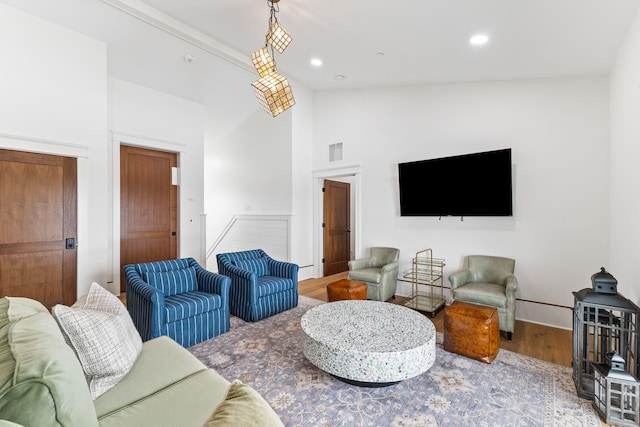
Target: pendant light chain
[273, 18]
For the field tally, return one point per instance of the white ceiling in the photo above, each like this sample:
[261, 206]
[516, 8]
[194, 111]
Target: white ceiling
[422, 41]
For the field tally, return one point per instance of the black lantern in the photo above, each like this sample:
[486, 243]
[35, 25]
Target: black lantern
[616, 393]
[603, 322]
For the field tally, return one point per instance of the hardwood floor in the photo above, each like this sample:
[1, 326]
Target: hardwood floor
[531, 339]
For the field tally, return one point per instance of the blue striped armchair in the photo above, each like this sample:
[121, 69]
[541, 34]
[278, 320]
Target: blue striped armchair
[260, 285]
[177, 298]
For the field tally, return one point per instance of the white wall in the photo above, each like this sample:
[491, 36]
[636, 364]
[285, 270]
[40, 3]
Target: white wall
[54, 100]
[261, 165]
[249, 170]
[57, 99]
[558, 131]
[302, 181]
[625, 156]
[144, 117]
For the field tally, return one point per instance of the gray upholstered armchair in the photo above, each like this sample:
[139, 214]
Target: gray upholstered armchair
[379, 272]
[489, 281]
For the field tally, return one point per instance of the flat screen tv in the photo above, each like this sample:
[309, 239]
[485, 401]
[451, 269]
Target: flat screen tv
[477, 184]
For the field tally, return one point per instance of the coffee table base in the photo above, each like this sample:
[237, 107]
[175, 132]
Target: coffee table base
[365, 383]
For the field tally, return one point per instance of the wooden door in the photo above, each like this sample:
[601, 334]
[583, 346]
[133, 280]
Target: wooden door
[337, 226]
[38, 211]
[148, 207]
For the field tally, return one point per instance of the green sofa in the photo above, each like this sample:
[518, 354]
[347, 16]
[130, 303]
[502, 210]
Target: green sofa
[42, 382]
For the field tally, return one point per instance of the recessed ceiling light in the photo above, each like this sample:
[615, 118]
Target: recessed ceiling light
[339, 77]
[479, 39]
[316, 62]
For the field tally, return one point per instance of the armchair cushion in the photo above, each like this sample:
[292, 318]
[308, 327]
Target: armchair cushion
[172, 282]
[268, 285]
[189, 304]
[383, 256]
[260, 266]
[371, 275]
[483, 293]
[490, 269]
[168, 265]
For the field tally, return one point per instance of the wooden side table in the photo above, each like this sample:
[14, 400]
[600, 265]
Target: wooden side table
[472, 330]
[346, 290]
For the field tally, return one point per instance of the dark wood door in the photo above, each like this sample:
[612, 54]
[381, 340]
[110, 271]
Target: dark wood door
[38, 212]
[148, 207]
[336, 223]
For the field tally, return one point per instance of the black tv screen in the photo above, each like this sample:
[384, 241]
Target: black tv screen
[477, 184]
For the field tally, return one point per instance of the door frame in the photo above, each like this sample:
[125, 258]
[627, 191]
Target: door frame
[318, 182]
[118, 139]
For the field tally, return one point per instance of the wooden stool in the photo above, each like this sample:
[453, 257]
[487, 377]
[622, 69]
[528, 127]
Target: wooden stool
[346, 289]
[472, 331]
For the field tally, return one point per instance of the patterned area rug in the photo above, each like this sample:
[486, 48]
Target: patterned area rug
[514, 390]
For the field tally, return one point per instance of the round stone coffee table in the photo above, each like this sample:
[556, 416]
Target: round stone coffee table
[368, 343]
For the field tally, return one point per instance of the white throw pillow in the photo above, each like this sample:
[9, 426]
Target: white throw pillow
[102, 334]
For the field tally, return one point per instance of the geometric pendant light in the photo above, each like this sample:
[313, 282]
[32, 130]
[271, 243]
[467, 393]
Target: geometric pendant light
[274, 93]
[272, 89]
[263, 61]
[278, 37]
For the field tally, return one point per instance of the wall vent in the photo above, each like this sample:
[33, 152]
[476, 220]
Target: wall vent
[335, 152]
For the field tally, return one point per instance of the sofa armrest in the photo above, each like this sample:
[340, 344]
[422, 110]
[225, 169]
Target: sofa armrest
[283, 269]
[359, 264]
[234, 271]
[460, 278]
[389, 267]
[511, 285]
[145, 305]
[211, 282]
[243, 282]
